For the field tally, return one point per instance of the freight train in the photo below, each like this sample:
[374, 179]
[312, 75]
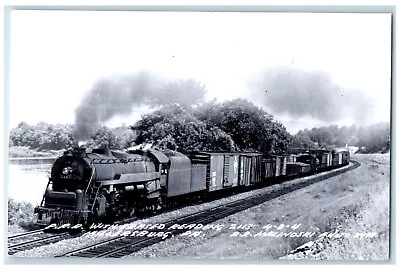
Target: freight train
[102, 184]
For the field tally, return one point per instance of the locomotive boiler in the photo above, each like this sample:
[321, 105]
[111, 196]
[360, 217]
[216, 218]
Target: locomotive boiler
[104, 183]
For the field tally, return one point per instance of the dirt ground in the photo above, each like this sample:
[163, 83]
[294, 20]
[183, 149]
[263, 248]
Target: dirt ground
[354, 206]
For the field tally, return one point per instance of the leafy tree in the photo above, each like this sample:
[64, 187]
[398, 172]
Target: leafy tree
[125, 135]
[42, 136]
[19, 135]
[375, 138]
[250, 127]
[175, 127]
[371, 139]
[104, 138]
[281, 138]
[301, 140]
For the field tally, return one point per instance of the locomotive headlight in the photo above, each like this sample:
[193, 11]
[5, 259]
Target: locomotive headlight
[66, 170]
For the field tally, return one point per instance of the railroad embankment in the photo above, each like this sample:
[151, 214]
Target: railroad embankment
[355, 205]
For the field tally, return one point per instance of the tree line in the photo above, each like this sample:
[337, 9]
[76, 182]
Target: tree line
[370, 139]
[236, 125]
[44, 136]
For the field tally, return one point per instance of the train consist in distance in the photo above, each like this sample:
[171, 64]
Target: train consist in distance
[86, 187]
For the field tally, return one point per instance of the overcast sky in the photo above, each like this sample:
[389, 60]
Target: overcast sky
[56, 56]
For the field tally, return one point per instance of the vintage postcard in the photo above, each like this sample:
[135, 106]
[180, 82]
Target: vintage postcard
[199, 135]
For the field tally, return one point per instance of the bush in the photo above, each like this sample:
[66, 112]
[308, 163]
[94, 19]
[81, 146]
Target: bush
[20, 214]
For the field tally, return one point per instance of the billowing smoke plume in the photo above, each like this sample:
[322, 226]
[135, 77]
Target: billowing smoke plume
[119, 95]
[300, 93]
[183, 92]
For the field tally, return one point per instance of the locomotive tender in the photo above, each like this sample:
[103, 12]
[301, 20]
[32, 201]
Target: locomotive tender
[85, 187]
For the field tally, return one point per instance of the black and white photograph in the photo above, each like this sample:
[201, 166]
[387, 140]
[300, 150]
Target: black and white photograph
[150, 135]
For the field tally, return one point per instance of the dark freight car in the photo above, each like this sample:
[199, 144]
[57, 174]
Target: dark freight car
[280, 165]
[346, 157]
[222, 169]
[216, 172]
[250, 169]
[277, 166]
[339, 158]
[198, 180]
[292, 168]
[324, 157]
[296, 168]
[269, 167]
[291, 158]
[305, 168]
[309, 159]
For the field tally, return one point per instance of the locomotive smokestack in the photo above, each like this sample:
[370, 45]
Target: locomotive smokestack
[82, 144]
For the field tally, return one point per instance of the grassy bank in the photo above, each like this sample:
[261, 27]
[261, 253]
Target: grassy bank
[25, 152]
[373, 218]
[20, 216]
[359, 198]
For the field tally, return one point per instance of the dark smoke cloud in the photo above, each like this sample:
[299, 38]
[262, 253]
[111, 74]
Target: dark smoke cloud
[119, 95]
[300, 93]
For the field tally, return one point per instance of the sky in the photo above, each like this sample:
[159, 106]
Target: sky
[56, 57]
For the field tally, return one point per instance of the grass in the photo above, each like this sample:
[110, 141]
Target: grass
[20, 216]
[373, 218]
[354, 202]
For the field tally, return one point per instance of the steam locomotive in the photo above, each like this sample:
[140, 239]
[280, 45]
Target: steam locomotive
[100, 185]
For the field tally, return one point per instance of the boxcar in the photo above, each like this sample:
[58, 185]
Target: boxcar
[297, 168]
[293, 168]
[277, 165]
[336, 159]
[305, 168]
[269, 168]
[250, 169]
[283, 165]
[198, 178]
[330, 159]
[221, 169]
[291, 158]
[346, 157]
[309, 159]
[324, 160]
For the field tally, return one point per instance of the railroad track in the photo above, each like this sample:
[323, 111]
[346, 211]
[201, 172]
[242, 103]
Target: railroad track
[16, 242]
[120, 246]
[32, 243]
[24, 234]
